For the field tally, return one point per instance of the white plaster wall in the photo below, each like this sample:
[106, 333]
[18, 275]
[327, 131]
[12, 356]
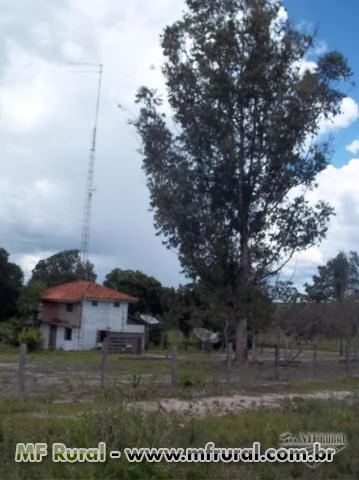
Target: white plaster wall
[134, 328]
[60, 337]
[66, 344]
[45, 330]
[105, 316]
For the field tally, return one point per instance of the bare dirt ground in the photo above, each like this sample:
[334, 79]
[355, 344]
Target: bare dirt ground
[254, 384]
[219, 405]
[234, 403]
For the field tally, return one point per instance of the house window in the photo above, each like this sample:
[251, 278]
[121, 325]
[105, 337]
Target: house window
[116, 304]
[94, 303]
[69, 307]
[68, 334]
[101, 335]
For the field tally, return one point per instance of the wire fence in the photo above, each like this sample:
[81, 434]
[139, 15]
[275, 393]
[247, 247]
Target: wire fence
[81, 375]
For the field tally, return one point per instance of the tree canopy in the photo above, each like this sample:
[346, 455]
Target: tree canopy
[11, 278]
[188, 308]
[136, 283]
[29, 299]
[227, 172]
[64, 266]
[338, 278]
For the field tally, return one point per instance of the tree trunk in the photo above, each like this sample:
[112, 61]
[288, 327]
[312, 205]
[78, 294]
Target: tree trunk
[347, 352]
[341, 346]
[315, 357]
[276, 360]
[241, 341]
[254, 346]
[241, 320]
[229, 359]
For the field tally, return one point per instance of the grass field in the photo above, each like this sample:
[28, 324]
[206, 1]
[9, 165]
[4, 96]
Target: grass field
[76, 375]
[63, 402]
[112, 422]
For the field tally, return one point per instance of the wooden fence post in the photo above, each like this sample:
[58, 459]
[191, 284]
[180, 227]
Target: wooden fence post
[315, 358]
[229, 359]
[174, 365]
[103, 361]
[276, 360]
[347, 353]
[254, 346]
[22, 360]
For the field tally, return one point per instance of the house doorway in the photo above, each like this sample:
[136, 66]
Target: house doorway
[52, 336]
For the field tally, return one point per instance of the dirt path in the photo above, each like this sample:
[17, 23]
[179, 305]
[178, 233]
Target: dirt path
[237, 402]
[216, 405]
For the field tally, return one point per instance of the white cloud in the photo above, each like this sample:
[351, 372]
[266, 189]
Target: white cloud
[353, 147]
[304, 26]
[46, 118]
[28, 262]
[33, 92]
[282, 14]
[338, 186]
[46, 188]
[281, 18]
[349, 113]
[320, 48]
[72, 51]
[305, 65]
[36, 208]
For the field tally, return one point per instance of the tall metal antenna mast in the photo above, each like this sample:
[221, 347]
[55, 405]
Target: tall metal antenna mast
[86, 223]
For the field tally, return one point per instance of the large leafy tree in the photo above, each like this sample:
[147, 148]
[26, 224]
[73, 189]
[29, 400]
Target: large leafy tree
[338, 278]
[223, 172]
[187, 309]
[29, 300]
[147, 289]
[64, 266]
[336, 281]
[168, 299]
[11, 278]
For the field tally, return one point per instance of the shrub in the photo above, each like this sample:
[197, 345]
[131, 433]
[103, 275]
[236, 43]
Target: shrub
[155, 337]
[136, 377]
[6, 333]
[33, 339]
[9, 332]
[191, 379]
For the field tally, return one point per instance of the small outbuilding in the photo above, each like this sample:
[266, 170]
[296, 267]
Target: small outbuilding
[80, 315]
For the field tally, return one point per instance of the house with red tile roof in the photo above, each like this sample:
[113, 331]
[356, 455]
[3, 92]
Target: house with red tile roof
[80, 315]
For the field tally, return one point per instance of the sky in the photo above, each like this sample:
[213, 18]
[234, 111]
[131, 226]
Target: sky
[47, 107]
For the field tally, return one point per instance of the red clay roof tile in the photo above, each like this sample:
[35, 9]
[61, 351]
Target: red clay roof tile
[75, 291]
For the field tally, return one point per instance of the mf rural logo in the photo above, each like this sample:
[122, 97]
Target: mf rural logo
[308, 440]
